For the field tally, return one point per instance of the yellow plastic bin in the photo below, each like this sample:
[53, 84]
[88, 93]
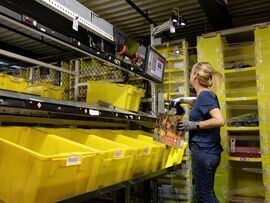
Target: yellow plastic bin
[116, 160]
[158, 148]
[40, 167]
[120, 95]
[11, 83]
[46, 90]
[175, 155]
[172, 156]
[143, 157]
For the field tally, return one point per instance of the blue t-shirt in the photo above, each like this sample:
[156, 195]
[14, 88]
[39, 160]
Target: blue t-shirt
[207, 140]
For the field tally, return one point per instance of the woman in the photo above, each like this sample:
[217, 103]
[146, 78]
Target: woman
[205, 120]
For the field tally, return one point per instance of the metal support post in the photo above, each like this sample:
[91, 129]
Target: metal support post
[154, 98]
[127, 194]
[155, 190]
[147, 191]
[77, 80]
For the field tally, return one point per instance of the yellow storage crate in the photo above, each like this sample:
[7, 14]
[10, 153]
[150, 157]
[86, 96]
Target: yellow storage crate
[40, 167]
[175, 155]
[143, 156]
[172, 156]
[46, 90]
[11, 83]
[158, 148]
[120, 95]
[115, 160]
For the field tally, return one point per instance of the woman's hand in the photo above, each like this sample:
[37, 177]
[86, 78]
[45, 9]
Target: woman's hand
[187, 125]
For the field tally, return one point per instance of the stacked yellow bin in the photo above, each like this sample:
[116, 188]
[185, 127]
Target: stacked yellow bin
[157, 148]
[11, 83]
[115, 160]
[142, 164]
[46, 90]
[120, 95]
[169, 156]
[40, 167]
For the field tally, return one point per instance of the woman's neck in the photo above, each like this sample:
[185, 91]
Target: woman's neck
[200, 88]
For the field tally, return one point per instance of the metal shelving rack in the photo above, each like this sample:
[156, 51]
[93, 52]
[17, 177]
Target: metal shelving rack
[25, 109]
[176, 84]
[243, 65]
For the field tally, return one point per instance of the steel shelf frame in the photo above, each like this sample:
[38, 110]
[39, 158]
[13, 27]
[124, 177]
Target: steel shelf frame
[18, 104]
[69, 41]
[122, 186]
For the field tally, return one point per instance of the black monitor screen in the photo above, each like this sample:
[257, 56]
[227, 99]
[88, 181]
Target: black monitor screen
[155, 65]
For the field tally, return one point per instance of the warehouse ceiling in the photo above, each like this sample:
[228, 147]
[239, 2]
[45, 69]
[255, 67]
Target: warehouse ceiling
[121, 14]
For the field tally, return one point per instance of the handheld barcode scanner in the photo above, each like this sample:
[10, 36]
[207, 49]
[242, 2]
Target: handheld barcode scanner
[175, 103]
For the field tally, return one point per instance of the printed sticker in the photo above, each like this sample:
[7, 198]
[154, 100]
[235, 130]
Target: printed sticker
[73, 160]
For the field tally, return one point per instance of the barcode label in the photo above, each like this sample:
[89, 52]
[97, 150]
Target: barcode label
[73, 160]
[93, 112]
[17, 79]
[146, 150]
[118, 154]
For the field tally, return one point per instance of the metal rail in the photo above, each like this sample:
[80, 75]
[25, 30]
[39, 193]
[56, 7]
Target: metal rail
[34, 61]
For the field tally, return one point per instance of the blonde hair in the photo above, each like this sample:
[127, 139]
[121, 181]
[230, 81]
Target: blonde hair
[207, 75]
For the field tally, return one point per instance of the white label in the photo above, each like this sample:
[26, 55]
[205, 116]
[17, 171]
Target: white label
[232, 145]
[241, 98]
[118, 154]
[244, 159]
[93, 112]
[73, 160]
[75, 24]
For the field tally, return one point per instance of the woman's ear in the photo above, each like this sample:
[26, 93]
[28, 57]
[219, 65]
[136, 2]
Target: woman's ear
[194, 76]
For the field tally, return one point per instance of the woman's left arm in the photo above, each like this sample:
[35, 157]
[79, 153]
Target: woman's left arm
[217, 120]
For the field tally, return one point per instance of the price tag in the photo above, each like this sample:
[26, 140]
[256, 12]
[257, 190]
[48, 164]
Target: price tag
[75, 24]
[73, 160]
[118, 154]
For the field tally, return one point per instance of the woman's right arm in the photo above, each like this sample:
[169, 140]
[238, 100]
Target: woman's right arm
[189, 100]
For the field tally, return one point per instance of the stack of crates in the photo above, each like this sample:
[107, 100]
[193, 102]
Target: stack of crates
[176, 84]
[244, 99]
[40, 167]
[57, 163]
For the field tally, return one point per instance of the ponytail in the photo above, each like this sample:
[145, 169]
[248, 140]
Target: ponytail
[207, 75]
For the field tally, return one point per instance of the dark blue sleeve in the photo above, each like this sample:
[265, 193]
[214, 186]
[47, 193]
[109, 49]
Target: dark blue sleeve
[207, 102]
